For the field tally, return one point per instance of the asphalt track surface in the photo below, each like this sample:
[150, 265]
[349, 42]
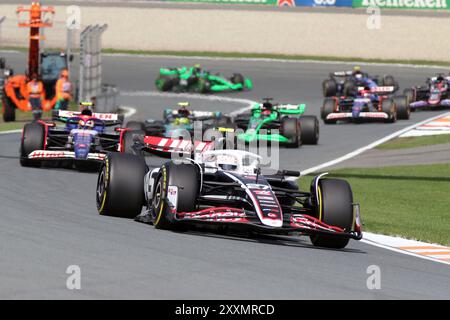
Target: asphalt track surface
[49, 219]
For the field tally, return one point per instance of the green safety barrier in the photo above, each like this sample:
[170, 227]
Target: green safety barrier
[404, 4]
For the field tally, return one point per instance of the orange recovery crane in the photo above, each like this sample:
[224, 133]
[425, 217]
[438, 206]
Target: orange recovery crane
[15, 95]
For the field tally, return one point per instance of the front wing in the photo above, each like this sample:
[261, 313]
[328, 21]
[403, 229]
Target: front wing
[362, 115]
[425, 104]
[63, 155]
[292, 223]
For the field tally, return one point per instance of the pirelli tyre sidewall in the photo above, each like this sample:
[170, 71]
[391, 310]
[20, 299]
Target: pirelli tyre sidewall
[128, 140]
[33, 138]
[290, 128]
[120, 191]
[388, 107]
[309, 127]
[349, 88]
[402, 107]
[410, 95]
[164, 83]
[327, 108]
[334, 207]
[185, 177]
[329, 87]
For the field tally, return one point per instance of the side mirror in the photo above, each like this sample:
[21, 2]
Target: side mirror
[289, 173]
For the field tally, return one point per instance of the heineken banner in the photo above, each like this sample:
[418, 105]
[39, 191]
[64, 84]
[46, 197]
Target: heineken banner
[404, 4]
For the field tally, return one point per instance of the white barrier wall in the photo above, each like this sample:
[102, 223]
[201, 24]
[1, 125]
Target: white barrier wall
[298, 33]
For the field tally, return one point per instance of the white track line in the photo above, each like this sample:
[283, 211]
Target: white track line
[127, 111]
[247, 102]
[11, 131]
[376, 244]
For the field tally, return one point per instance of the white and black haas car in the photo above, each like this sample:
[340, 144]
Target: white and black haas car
[225, 187]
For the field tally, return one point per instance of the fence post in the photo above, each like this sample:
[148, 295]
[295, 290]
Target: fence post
[90, 82]
[1, 21]
[83, 49]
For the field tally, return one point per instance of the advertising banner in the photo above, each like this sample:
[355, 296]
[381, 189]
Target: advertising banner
[267, 2]
[404, 4]
[315, 3]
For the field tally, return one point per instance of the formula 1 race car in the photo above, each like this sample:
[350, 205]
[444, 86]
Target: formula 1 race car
[82, 141]
[369, 104]
[225, 189]
[345, 83]
[436, 94]
[194, 79]
[293, 128]
[181, 122]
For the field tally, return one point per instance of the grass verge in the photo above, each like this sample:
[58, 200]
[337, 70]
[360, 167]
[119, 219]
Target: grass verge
[408, 201]
[260, 55]
[414, 142]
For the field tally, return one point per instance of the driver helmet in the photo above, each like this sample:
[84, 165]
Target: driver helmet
[356, 69]
[357, 72]
[86, 108]
[197, 68]
[227, 162]
[267, 108]
[183, 111]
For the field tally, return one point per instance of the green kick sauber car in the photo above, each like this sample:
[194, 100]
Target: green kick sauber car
[285, 123]
[194, 79]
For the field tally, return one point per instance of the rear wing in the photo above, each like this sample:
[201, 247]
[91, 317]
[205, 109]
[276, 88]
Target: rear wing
[341, 73]
[290, 108]
[380, 89]
[110, 119]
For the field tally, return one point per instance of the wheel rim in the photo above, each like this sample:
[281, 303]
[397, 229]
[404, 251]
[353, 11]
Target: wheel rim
[100, 187]
[157, 196]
